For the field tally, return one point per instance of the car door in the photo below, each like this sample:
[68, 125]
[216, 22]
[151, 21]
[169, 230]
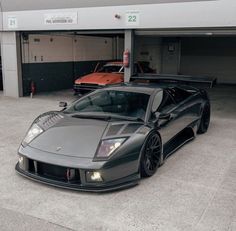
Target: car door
[173, 116]
[187, 107]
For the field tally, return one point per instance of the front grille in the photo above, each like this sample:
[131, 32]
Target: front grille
[54, 172]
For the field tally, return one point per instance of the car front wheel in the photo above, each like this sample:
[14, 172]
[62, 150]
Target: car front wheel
[151, 155]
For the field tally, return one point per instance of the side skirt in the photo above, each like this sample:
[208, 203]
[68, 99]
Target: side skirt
[178, 141]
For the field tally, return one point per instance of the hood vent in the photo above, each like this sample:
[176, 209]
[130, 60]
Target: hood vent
[122, 129]
[114, 129]
[49, 119]
[131, 128]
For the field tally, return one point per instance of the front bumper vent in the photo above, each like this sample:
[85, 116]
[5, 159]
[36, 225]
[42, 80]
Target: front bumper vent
[54, 172]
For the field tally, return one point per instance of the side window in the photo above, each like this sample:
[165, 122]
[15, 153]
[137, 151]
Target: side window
[157, 101]
[178, 94]
[167, 102]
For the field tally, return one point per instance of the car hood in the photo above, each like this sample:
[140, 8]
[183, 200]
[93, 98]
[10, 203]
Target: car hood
[71, 137]
[101, 78]
[77, 137]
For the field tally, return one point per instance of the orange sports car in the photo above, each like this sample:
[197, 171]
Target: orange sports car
[110, 73]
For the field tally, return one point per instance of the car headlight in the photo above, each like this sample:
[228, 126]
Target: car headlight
[33, 132]
[107, 147]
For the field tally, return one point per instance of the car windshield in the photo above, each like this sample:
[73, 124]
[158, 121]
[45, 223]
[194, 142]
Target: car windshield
[112, 68]
[112, 103]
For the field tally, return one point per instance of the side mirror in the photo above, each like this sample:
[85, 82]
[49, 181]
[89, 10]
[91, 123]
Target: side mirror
[63, 104]
[161, 118]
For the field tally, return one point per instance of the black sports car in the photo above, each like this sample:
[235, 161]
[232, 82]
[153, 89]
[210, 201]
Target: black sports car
[112, 137]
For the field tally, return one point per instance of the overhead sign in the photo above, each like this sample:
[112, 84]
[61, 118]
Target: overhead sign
[12, 22]
[132, 18]
[61, 18]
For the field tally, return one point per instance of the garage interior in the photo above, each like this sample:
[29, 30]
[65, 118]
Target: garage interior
[54, 60]
[213, 56]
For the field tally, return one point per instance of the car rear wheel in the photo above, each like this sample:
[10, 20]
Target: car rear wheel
[205, 119]
[151, 155]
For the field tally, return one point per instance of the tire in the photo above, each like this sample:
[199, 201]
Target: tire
[151, 157]
[205, 119]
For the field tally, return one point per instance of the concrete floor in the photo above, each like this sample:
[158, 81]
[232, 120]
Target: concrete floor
[194, 190]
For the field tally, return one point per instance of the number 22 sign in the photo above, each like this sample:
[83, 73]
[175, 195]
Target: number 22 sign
[132, 18]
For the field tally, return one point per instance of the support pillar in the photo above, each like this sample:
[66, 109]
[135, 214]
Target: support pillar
[11, 64]
[129, 45]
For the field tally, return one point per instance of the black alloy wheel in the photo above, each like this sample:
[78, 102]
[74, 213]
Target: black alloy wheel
[151, 156]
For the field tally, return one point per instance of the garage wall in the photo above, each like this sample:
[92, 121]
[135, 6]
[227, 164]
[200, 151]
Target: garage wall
[209, 56]
[11, 5]
[1, 20]
[44, 48]
[98, 15]
[171, 56]
[11, 64]
[54, 61]
[93, 48]
[66, 48]
[148, 49]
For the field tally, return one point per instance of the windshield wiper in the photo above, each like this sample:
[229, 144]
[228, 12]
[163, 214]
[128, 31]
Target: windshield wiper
[96, 117]
[127, 118]
[135, 119]
[107, 117]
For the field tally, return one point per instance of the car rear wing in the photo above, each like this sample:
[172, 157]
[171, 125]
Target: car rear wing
[203, 81]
